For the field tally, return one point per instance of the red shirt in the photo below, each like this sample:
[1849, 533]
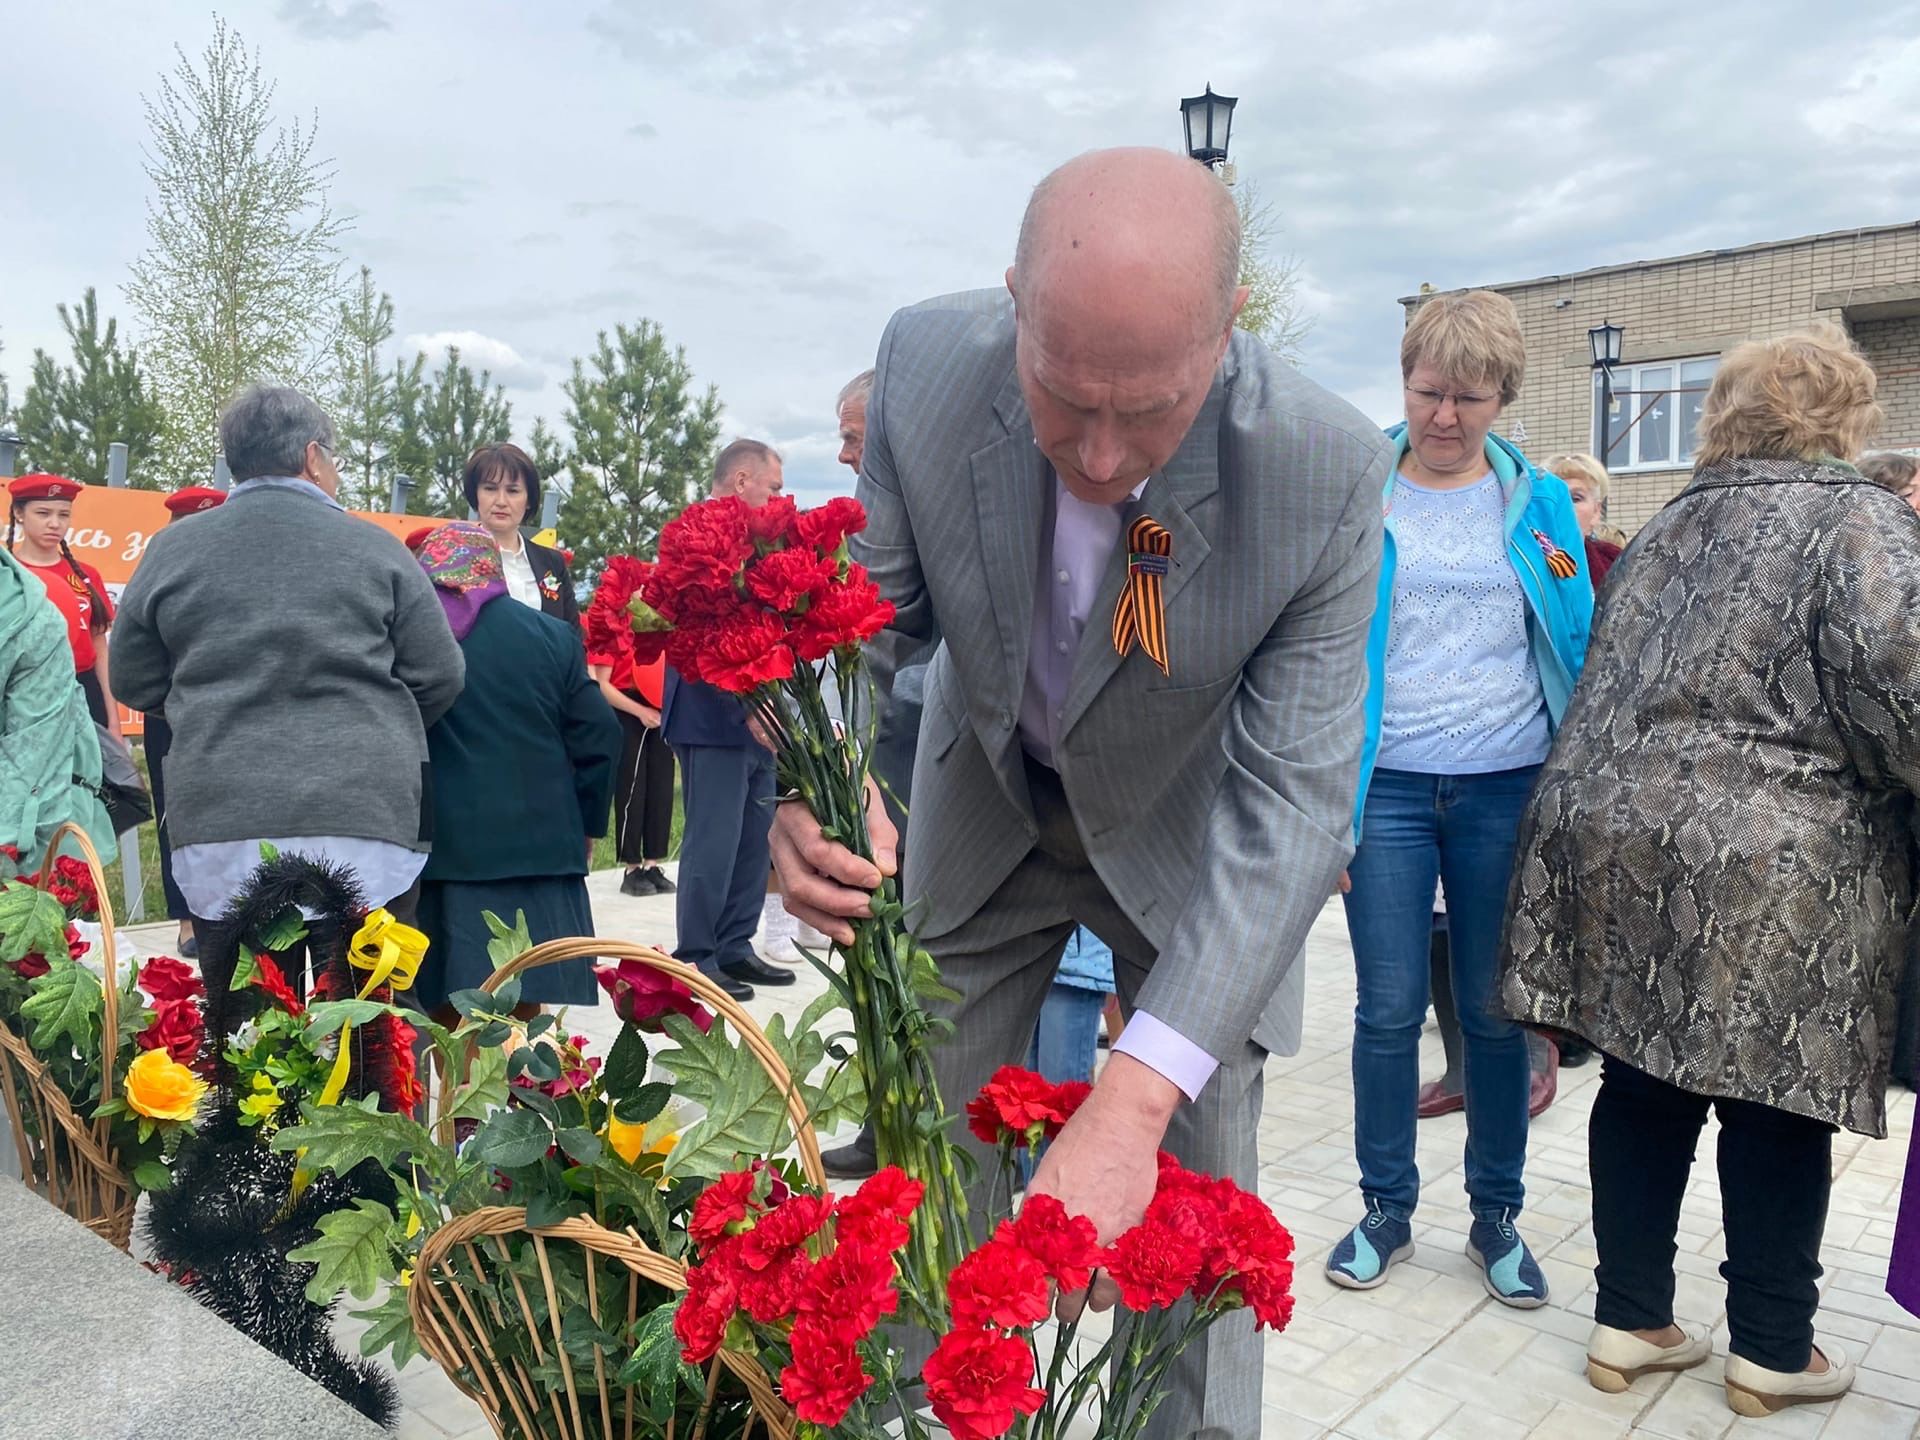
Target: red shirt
[69, 594]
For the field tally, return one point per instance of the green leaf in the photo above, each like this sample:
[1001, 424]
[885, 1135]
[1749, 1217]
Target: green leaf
[645, 1104]
[64, 1006]
[472, 1004]
[582, 1145]
[245, 969]
[508, 943]
[32, 922]
[152, 1175]
[626, 1066]
[390, 1327]
[547, 1208]
[509, 1139]
[268, 853]
[485, 1090]
[354, 1252]
[327, 1016]
[339, 1137]
[283, 932]
[745, 1113]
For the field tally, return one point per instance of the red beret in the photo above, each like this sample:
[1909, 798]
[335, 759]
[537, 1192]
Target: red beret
[43, 487]
[417, 538]
[194, 498]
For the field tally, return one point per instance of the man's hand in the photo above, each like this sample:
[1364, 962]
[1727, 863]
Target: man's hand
[1105, 1164]
[824, 883]
[1344, 885]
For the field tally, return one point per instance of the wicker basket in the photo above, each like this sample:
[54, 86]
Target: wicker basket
[456, 1312]
[67, 1159]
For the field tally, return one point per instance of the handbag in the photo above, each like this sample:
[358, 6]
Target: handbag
[122, 790]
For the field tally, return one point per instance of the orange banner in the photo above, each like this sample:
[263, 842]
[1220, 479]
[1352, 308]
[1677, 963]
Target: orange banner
[111, 529]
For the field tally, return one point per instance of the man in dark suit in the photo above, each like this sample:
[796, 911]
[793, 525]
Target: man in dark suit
[726, 789]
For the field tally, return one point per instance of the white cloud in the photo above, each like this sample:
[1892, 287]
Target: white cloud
[481, 352]
[319, 20]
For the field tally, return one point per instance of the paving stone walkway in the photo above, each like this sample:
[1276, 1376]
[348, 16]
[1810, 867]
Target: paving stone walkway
[1430, 1354]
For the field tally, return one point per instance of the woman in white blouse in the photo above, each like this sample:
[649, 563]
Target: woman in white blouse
[503, 487]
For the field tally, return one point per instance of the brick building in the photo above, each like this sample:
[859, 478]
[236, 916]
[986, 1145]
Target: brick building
[1679, 316]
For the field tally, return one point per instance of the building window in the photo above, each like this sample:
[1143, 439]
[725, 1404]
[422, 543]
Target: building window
[1656, 413]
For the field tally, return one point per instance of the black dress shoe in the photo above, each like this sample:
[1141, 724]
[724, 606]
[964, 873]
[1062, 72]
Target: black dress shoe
[656, 878]
[189, 947]
[853, 1161]
[738, 989]
[635, 882]
[754, 969]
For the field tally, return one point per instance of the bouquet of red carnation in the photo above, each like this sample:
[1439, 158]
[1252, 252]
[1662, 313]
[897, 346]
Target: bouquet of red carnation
[755, 601]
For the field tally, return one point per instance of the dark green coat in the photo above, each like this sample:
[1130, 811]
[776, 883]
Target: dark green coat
[523, 764]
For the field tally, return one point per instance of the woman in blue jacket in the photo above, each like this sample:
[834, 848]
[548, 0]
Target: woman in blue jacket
[1478, 635]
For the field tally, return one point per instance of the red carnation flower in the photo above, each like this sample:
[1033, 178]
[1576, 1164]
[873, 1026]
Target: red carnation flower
[395, 1075]
[999, 1284]
[1066, 1245]
[722, 1206]
[878, 1212]
[746, 653]
[608, 626]
[268, 977]
[847, 614]
[1153, 1266]
[642, 995]
[978, 1380]
[827, 527]
[1068, 1097]
[165, 978]
[850, 1291]
[782, 580]
[701, 552]
[700, 1319]
[772, 522]
[176, 1028]
[1016, 1105]
[825, 1378]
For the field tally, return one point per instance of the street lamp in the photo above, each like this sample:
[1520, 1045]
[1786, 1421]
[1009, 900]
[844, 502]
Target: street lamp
[9, 451]
[1208, 119]
[1604, 341]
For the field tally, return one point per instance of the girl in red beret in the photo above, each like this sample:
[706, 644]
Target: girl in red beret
[40, 515]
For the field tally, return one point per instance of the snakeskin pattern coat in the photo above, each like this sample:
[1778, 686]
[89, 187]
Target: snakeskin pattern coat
[1714, 876]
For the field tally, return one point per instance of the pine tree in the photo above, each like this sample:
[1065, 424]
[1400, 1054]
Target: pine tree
[71, 414]
[441, 422]
[549, 458]
[240, 278]
[363, 400]
[1273, 309]
[643, 444]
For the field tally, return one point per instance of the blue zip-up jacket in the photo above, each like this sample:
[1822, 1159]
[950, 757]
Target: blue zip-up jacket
[1540, 523]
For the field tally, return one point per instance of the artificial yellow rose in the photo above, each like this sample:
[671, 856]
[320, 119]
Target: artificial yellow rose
[630, 1142]
[161, 1088]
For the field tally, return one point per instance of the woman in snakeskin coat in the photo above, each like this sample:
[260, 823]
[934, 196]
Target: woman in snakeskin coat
[1716, 865]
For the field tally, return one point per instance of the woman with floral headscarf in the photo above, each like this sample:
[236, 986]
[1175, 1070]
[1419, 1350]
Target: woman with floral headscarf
[523, 768]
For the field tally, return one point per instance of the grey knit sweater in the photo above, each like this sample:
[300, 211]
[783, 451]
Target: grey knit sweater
[299, 655]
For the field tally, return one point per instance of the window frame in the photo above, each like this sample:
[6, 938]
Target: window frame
[1629, 393]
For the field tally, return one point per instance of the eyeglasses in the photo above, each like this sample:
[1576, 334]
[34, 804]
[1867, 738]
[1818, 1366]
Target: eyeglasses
[1432, 399]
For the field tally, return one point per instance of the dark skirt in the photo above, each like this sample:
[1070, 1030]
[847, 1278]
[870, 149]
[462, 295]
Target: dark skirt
[452, 916]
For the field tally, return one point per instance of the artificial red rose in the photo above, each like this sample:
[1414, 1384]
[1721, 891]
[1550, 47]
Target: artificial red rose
[825, 1378]
[782, 580]
[772, 522]
[642, 995]
[268, 977]
[978, 1380]
[176, 1028]
[1153, 1266]
[77, 944]
[850, 1291]
[826, 527]
[1067, 1246]
[999, 1284]
[700, 1319]
[73, 887]
[31, 966]
[1015, 1105]
[165, 978]
[845, 615]
[722, 1207]
[878, 1211]
[747, 652]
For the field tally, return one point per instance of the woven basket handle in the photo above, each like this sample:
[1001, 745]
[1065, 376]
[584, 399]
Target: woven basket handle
[708, 994]
[110, 1017]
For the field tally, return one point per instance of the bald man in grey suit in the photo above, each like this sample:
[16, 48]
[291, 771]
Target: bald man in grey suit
[1195, 814]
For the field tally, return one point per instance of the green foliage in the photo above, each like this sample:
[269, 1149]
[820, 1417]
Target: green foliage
[643, 444]
[339, 1137]
[240, 277]
[354, 1253]
[511, 1138]
[65, 1007]
[507, 942]
[362, 398]
[440, 422]
[72, 413]
[485, 1089]
[626, 1066]
[390, 1327]
[32, 922]
[285, 931]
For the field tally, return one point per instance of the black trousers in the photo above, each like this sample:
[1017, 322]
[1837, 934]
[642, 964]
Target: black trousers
[643, 795]
[1776, 1173]
[158, 740]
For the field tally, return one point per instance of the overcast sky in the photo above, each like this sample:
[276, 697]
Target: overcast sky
[770, 181]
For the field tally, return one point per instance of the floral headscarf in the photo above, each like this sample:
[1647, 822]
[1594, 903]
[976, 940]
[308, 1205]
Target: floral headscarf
[464, 565]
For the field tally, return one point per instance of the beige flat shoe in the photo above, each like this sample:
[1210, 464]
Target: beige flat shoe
[1617, 1358]
[1756, 1392]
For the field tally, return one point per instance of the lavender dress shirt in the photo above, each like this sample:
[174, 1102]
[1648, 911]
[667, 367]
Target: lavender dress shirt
[1084, 537]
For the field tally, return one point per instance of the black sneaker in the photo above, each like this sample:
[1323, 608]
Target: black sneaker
[635, 882]
[657, 878]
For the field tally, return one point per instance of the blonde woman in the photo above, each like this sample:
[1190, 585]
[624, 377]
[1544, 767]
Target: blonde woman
[1587, 484]
[1715, 869]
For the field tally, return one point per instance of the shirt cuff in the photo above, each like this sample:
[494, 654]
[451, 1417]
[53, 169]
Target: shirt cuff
[1160, 1047]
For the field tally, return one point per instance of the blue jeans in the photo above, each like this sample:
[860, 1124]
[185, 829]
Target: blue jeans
[1458, 829]
[1067, 1040]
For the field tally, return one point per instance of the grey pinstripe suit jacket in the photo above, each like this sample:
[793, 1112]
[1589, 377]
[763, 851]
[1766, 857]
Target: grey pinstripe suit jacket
[1215, 803]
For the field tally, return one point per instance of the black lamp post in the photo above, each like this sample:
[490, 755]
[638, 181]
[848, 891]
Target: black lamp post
[1604, 340]
[9, 451]
[1208, 119]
